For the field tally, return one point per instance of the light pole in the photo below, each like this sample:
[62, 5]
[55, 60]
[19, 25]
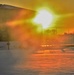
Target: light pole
[7, 37]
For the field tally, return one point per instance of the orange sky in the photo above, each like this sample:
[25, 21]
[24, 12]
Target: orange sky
[59, 5]
[65, 8]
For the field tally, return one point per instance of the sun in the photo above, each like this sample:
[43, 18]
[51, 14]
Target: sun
[44, 18]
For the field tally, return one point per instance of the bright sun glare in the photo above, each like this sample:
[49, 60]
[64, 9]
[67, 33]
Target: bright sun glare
[43, 18]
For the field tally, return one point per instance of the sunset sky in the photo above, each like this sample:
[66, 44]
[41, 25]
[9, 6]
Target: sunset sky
[64, 8]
